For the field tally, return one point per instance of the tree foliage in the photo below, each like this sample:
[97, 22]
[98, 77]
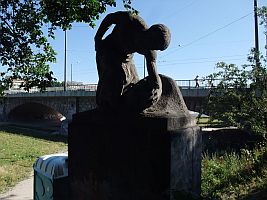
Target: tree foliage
[262, 12]
[24, 49]
[240, 98]
[25, 52]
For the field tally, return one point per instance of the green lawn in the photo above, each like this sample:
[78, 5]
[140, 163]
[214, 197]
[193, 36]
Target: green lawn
[19, 148]
[205, 122]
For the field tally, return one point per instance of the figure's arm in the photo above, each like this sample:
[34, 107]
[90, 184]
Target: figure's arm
[153, 75]
[151, 57]
[112, 18]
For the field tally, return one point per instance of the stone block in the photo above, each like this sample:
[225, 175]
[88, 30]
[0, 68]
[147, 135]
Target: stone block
[115, 157]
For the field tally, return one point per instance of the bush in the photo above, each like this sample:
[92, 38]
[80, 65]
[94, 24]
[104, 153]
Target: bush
[240, 98]
[232, 175]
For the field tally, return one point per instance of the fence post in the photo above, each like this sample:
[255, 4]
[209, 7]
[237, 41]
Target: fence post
[189, 84]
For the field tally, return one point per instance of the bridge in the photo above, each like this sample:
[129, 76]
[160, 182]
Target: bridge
[56, 105]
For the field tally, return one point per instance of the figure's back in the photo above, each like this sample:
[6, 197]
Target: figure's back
[128, 28]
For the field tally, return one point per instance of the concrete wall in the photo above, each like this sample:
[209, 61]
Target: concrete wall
[195, 98]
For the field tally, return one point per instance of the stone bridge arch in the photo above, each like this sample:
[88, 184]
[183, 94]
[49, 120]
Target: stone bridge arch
[65, 105]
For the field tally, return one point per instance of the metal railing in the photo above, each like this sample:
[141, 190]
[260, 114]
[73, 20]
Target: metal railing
[202, 83]
[183, 84]
[87, 87]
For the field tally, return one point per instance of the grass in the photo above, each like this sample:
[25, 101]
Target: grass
[19, 149]
[225, 176]
[206, 122]
[235, 176]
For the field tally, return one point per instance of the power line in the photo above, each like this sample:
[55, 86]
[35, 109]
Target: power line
[196, 59]
[207, 35]
[217, 43]
[180, 10]
[205, 58]
[197, 62]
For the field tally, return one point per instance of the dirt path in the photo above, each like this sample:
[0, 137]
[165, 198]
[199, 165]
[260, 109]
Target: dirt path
[22, 191]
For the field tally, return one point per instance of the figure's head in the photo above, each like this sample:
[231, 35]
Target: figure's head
[158, 37]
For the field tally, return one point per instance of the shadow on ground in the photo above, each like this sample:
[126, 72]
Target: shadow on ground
[12, 197]
[258, 194]
[228, 140]
[34, 132]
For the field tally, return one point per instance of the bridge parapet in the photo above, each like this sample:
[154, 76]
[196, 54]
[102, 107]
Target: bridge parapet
[195, 92]
[84, 96]
[187, 87]
[59, 93]
[186, 92]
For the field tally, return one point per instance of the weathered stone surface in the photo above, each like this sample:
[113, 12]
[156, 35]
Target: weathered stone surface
[118, 78]
[171, 102]
[132, 158]
[185, 170]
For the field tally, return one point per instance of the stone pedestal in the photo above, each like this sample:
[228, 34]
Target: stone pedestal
[114, 157]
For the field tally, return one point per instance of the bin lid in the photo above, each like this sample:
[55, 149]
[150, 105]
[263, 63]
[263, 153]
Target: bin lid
[53, 166]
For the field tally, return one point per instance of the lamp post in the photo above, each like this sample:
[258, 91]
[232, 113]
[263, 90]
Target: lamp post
[71, 74]
[256, 35]
[65, 63]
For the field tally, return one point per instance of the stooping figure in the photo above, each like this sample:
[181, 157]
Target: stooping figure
[119, 85]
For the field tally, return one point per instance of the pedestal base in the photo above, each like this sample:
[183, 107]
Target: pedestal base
[138, 158]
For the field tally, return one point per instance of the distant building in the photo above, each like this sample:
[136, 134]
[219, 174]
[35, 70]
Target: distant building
[16, 84]
[69, 83]
[17, 87]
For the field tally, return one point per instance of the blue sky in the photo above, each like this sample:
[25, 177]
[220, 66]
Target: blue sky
[204, 32]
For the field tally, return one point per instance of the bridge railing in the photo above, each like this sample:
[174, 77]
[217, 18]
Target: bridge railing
[184, 84]
[202, 83]
[87, 87]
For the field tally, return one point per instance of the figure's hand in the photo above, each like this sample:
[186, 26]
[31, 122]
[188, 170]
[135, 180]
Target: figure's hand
[156, 86]
[155, 95]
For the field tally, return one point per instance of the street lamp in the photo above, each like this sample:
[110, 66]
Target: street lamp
[65, 63]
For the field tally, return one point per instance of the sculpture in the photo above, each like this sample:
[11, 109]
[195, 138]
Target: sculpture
[119, 88]
[116, 69]
[140, 142]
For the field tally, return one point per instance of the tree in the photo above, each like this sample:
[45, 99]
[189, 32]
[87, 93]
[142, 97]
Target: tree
[57, 84]
[262, 12]
[240, 98]
[25, 52]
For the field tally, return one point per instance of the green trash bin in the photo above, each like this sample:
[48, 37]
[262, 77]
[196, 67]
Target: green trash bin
[51, 177]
